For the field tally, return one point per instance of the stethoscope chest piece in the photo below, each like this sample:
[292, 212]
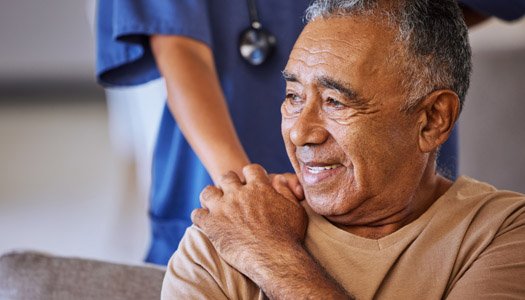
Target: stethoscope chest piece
[256, 45]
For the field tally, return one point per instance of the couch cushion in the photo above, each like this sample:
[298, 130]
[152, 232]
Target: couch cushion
[33, 275]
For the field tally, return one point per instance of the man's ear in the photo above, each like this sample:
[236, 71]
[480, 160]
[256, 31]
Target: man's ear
[438, 114]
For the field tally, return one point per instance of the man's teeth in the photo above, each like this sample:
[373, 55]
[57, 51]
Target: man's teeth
[316, 170]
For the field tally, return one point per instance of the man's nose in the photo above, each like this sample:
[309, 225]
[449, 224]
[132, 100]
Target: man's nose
[309, 127]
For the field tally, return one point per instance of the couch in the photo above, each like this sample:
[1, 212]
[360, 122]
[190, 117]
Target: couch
[34, 275]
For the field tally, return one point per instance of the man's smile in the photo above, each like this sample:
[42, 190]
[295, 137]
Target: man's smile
[316, 172]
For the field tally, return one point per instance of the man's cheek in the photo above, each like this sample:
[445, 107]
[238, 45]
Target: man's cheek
[285, 130]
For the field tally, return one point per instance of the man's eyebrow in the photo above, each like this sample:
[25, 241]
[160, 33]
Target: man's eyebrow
[330, 83]
[351, 95]
[289, 76]
[325, 82]
[333, 84]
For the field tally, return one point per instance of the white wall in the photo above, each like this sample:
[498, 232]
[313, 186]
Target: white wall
[62, 188]
[492, 126]
[45, 39]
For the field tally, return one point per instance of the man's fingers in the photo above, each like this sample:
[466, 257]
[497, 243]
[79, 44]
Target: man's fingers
[289, 182]
[198, 216]
[208, 195]
[280, 185]
[294, 185]
[255, 173]
[230, 181]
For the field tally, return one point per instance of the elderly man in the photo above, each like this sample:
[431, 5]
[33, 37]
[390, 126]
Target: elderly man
[373, 89]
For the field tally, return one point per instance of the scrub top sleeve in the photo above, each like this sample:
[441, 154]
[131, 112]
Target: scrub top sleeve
[508, 10]
[124, 56]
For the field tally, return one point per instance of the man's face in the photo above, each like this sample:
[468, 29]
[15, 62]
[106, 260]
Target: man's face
[355, 152]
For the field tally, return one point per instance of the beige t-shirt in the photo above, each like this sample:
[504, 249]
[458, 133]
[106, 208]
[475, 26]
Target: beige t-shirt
[470, 244]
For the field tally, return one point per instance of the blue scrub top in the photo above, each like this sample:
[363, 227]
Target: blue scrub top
[508, 10]
[254, 94]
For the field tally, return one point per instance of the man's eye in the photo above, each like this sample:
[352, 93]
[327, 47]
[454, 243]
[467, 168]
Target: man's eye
[334, 103]
[293, 98]
[293, 105]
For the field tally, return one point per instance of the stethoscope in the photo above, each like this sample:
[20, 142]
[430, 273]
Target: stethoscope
[255, 43]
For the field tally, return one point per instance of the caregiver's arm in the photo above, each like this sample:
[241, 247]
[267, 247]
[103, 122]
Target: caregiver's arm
[197, 103]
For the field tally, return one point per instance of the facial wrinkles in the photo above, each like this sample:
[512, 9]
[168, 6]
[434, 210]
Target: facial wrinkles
[348, 116]
[367, 135]
[326, 39]
[304, 58]
[319, 147]
[328, 48]
[343, 116]
[327, 45]
[313, 57]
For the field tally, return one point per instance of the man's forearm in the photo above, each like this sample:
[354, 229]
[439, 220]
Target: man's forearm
[293, 274]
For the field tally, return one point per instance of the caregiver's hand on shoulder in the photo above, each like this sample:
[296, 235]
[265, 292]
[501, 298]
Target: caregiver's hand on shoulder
[252, 222]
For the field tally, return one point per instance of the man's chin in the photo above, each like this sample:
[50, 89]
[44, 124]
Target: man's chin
[333, 208]
[320, 205]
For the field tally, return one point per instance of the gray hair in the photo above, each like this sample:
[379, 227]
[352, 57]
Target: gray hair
[433, 36]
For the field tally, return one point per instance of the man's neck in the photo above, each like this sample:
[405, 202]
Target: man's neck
[430, 189]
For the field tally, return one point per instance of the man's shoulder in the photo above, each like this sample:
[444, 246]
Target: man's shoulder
[490, 236]
[196, 248]
[480, 215]
[196, 270]
[471, 194]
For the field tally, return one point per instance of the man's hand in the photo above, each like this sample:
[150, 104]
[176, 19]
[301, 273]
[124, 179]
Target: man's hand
[288, 185]
[252, 221]
[258, 227]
